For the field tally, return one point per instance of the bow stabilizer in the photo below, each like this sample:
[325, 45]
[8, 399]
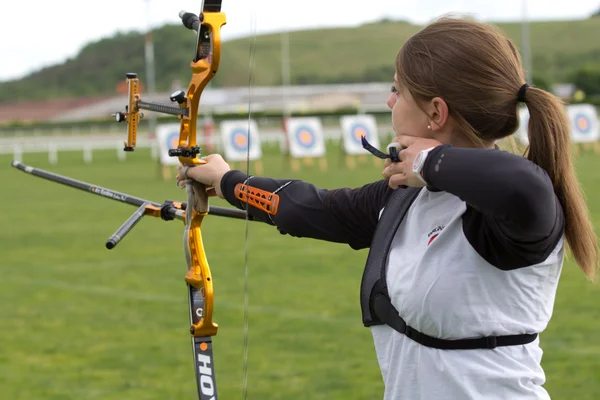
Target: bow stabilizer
[198, 276]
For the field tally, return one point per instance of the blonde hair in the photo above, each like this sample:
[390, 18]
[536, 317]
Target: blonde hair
[478, 72]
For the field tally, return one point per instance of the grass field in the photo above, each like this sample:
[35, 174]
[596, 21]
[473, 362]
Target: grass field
[81, 322]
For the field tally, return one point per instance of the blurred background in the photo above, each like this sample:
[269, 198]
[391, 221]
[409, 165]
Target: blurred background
[298, 83]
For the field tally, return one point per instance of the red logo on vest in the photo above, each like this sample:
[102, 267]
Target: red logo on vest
[434, 233]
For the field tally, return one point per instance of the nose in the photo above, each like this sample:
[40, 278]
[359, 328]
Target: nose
[391, 101]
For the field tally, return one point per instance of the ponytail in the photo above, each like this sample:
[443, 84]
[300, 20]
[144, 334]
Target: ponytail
[480, 76]
[550, 148]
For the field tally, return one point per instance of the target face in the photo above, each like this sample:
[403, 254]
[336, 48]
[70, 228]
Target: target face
[167, 138]
[359, 130]
[582, 123]
[305, 136]
[172, 140]
[239, 140]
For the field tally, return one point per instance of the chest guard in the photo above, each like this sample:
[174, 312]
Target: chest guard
[375, 303]
[375, 269]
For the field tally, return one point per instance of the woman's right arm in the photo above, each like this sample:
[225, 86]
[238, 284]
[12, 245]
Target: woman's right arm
[339, 215]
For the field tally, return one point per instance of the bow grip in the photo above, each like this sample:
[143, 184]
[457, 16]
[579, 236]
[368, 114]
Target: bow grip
[201, 191]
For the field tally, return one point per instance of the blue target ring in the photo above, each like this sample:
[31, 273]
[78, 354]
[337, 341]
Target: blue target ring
[305, 136]
[582, 123]
[239, 139]
[357, 131]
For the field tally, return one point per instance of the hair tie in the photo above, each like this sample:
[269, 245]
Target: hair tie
[521, 94]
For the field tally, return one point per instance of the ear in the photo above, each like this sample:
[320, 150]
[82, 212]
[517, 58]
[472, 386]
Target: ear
[438, 113]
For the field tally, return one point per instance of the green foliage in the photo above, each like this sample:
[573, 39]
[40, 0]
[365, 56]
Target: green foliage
[588, 80]
[81, 322]
[541, 81]
[339, 55]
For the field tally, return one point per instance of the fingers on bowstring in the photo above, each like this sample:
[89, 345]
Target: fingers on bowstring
[397, 180]
[393, 169]
[402, 154]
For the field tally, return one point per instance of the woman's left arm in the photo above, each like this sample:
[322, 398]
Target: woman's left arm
[511, 189]
[514, 216]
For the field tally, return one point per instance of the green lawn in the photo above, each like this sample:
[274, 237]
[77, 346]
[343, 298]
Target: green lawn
[82, 322]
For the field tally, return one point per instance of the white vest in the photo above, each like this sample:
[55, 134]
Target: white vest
[442, 287]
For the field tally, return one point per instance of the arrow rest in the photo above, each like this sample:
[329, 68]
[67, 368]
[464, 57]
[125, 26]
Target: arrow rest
[185, 152]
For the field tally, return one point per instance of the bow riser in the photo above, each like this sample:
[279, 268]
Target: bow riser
[200, 279]
[203, 71]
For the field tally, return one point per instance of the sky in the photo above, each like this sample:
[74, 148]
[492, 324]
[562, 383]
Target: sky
[39, 33]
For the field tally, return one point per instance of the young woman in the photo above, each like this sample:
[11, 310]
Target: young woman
[471, 272]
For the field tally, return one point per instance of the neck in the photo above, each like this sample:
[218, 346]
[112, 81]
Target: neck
[461, 140]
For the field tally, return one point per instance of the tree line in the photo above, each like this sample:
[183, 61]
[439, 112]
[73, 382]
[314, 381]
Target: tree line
[562, 52]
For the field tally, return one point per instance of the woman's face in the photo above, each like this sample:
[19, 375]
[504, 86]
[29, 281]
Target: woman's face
[407, 117]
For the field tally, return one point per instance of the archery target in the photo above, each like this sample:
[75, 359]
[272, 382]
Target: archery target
[584, 123]
[305, 137]
[356, 126]
[240, 140]
[167, 137]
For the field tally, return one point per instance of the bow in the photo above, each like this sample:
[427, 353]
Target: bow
[204, 66]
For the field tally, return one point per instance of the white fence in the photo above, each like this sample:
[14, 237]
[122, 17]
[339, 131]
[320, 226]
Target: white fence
[585, 129]
[52, 145]
[18, 146]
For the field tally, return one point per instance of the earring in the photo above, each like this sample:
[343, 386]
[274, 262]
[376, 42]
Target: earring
[428, 126]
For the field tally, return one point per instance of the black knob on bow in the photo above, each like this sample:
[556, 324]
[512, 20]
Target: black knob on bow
[119, 116]
[178, 96]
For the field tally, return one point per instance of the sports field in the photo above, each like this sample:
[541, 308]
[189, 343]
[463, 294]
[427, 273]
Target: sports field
[81, 322]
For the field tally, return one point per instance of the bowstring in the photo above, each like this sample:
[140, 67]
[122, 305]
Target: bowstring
[251, 67]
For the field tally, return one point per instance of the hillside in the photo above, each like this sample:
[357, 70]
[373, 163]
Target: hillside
[340, 55]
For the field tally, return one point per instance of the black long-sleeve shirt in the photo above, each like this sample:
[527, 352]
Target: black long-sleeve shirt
[513, 217]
